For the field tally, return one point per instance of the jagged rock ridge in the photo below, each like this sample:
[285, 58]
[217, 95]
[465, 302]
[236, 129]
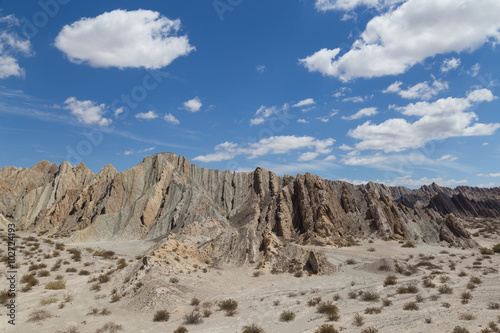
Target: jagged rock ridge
[231, 215]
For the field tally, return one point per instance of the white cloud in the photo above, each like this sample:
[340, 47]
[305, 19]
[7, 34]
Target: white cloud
[347, 5]
[408, 181]
[131, 152]
[302, 121]
[364, 160]
[326, 118]
[193, 105]
[491, 175]
[487, 185]
[270, 146]
[87, 112]
[330, 158]
[354, 99]
[485, 143]
[118, 112]
[441, 119]
[345, 147]
[170, 118]
[261, 68]
[450, 64]
[310, 155]
[421, 90]
[304, 102]
[474, 70]
[397, 40]
[147, 115]
[366, 112]
[124, 39]
[448, 157]
[11, 44]
[341, 92]
[265, 112]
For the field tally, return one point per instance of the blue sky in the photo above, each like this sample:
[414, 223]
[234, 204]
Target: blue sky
[403, 92]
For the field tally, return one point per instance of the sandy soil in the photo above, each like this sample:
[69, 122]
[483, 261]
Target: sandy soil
[262, 299]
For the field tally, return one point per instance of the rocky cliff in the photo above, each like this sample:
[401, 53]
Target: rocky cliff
[234, 216]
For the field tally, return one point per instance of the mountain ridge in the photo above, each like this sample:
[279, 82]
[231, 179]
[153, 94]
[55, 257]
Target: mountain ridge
[165, 193]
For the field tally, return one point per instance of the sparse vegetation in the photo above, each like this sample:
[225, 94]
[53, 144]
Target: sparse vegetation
[193, 318]
[358, 320]
[370, 330]
[56, 285]
[370, 296]
[408, 244]
[229, 306]
[110, 327]
[329, 309]
[486, 251]
[181, 329]
[459, 329]
[252, 329]
[287, 316]
[390, 280]
[445, 289]
[39, 315]
[467, 316]
[161, 315]
[411, 306]
[407, 289]
[373, 310]
[326, 328]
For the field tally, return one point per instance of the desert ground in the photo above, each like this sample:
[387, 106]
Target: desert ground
[377, 286]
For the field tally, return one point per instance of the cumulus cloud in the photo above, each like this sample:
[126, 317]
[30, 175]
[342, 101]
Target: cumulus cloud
[88, 112]
[302, 121]
[270, 146]
[124, 39]
[193, 105]
[397, 40]
[305, 102]
[347, 5]
[444, 118]
[147, 115]
[131, 152]
[421, 90]
[11, 45]
[366, 112]
[170, 118]
[450, 64]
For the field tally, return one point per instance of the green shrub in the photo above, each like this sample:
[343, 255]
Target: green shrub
[370, 296]
[486, 251]
[181, 329]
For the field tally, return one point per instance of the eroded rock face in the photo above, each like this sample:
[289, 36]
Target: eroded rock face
[166, 193]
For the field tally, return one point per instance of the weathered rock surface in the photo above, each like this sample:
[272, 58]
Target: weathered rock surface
[233, 217]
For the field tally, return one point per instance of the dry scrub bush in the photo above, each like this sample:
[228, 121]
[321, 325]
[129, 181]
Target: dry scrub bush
[161, 315]
[326, 328]
[252, 329]
[287, 316]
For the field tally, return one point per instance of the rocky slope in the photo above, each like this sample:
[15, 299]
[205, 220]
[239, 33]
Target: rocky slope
[235, 217]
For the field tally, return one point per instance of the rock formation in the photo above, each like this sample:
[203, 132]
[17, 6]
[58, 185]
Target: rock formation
[233, 217]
